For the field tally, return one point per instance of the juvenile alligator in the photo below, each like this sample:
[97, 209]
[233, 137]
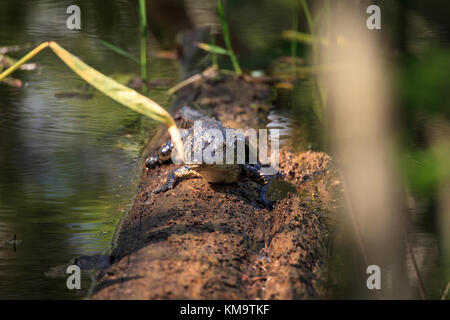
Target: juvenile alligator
[212, 173]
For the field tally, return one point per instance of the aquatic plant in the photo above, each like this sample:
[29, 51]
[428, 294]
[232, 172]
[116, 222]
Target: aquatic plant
[227, 37]
[308, 16]
[116, 91]
[143, 38]
[214, 58]
[319, 92]
[215, 49]
[119, 51]
[143, 25]
[294, 43]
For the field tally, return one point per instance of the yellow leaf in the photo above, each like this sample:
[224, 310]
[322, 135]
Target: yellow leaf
[116, 91]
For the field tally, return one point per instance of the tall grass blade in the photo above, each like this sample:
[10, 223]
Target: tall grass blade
[309, 39]
[308, 16]
[227, 38]
[111, 88]
[212, 48]
[143, 24]
[298, 36]
[116, 91]
[214, 58]
[294, 43]
[118, 50]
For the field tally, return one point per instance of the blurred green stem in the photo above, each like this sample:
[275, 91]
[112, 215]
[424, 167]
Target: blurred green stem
[294, 43]
[319, 92]
[227, 38]
[310, 25]
[308, 16]
[214, 58]
[143, 23]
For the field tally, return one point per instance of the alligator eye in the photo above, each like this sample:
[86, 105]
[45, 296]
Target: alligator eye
[151, 162]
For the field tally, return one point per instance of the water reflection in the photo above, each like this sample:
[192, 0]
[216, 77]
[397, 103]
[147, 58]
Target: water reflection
[67, 167]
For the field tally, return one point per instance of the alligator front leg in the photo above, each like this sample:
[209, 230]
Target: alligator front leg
[263, 196]
[176, 175]
[255, 173]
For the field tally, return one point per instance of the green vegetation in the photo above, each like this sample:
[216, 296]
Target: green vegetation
[143, 62]
[118, 50]
[319, 96]
[422, 87]
[143, 25]
[308, 15]
[294, 43]
[116, 91]
[214, 49]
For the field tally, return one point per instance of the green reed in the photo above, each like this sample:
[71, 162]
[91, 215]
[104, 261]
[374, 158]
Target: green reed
[143, 26]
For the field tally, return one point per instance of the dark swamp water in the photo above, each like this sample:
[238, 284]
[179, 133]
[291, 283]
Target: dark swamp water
[68, 166]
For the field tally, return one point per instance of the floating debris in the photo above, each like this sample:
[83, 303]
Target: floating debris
[7, 49]
[14, 242]
[74, 95]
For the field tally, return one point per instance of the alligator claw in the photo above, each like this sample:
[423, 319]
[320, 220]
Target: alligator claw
[263, 197]
[174, 176]
[164, 188]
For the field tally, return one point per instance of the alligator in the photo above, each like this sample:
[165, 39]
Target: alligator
[212, 173]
